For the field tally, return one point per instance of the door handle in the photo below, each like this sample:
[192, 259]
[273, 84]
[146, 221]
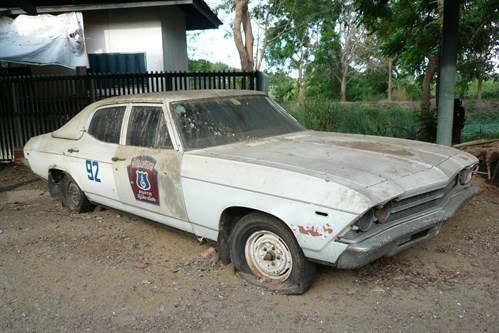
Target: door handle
[116, 159]
[71, 150]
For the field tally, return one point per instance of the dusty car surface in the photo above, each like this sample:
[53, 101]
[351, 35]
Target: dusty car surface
[233, 167]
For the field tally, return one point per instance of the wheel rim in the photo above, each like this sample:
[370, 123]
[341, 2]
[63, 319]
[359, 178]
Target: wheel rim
[73, 193]
[268, 257]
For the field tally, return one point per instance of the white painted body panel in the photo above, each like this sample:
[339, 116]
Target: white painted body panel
[284, 177]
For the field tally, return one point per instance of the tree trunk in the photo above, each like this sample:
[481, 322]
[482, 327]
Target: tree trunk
[390, 64]
[343, 90]
[428, 76]
[300, 72]
[300, 81]
[242, 23]
[479, 89]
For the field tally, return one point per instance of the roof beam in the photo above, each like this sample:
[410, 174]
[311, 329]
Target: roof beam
[27, 6]
[82, 7]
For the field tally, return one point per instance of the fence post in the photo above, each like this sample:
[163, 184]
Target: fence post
[262, 82]
[17, 120]
[91, 87]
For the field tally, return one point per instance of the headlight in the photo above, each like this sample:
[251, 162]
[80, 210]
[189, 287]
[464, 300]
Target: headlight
[383, 213]
[466, 174]
[365, 222]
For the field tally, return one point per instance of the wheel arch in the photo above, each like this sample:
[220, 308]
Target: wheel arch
[55, 181]
[56, 177]
[228, 219]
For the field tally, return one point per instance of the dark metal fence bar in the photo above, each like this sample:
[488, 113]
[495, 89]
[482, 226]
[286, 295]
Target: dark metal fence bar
[33, 105]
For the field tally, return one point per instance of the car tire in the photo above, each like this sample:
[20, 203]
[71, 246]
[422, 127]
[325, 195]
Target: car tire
[265, 252]
[73, 197]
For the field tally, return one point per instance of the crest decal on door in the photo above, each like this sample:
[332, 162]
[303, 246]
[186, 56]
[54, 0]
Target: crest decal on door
[143, 179]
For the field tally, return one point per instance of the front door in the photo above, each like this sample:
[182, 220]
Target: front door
[147, 168]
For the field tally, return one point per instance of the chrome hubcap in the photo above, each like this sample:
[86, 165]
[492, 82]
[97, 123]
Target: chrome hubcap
[268, 257]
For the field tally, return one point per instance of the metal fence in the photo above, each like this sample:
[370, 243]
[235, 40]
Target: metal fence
[33, 105]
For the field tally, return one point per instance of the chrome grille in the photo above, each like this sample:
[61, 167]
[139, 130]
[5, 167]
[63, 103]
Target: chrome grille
[405, 209]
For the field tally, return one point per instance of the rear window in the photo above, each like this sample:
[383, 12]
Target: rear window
[106, 124]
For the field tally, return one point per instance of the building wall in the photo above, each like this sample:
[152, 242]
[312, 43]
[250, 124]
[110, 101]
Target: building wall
[174, 39]
[140, 30]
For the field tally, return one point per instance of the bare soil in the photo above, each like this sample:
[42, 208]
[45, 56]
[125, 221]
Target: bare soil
[106, 271]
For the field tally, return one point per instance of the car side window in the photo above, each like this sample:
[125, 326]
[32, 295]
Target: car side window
[106, 124]
[147, 128]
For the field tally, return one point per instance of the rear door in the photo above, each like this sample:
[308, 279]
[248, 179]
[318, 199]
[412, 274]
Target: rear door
[90, 158]
[147, 167]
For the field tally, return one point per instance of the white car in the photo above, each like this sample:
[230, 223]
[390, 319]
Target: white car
[234, 168]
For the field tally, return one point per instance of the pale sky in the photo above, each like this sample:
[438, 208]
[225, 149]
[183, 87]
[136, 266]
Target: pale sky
[212, 44]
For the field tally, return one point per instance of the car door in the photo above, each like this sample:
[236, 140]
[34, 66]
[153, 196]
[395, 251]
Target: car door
[90, 158]
[147, 167]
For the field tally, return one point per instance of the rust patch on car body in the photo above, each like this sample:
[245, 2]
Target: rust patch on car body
[376, 147]
[327, 229]
[312, 231]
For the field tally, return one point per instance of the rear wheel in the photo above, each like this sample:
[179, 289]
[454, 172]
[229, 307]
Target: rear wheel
[266, 253]
[73, 197]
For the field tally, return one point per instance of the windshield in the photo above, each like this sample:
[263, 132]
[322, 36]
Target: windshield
[222, 120]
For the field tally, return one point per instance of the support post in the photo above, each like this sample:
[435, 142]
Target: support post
[262, 82]
[447, 77]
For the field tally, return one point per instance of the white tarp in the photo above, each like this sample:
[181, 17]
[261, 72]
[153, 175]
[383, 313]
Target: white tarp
[44, 40]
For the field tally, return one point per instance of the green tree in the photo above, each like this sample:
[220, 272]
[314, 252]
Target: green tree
[479, 36]
[409, 31]
[202, 65]
[296, 33]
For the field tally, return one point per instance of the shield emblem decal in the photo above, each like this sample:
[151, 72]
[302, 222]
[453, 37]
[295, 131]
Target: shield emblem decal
[143, 180]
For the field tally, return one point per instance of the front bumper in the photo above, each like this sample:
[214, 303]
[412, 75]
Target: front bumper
[402, 236]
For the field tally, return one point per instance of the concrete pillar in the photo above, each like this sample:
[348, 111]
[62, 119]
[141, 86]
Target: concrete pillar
[447, 77]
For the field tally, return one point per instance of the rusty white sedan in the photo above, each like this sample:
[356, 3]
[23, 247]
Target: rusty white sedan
[234, 168]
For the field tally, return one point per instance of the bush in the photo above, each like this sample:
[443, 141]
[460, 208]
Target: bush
[490, 90]
[481, 125]
[373, 119]
[323, 115]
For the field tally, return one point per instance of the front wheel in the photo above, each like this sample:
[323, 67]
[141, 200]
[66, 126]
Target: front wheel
[265, 252]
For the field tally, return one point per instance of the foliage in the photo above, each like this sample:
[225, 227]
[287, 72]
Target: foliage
[307, 40]
[481, 125]
[357, 118]
[370, 85]
[408, 30]
[490, 90]
[478, 36]
[428, 125]
[202, 65]
[282, 87]
[373, 119]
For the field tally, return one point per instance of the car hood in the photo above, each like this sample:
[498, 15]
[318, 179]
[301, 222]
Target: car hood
[365, 163]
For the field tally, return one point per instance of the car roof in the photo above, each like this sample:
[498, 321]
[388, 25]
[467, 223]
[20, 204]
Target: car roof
[174, 96]
[74, 128]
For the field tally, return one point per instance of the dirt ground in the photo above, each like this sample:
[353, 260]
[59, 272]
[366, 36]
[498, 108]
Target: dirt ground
[105, 271]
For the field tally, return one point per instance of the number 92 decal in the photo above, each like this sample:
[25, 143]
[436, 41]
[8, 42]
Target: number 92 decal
[93, 170]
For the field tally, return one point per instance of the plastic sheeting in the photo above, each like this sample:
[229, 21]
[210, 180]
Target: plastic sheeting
[44, 40]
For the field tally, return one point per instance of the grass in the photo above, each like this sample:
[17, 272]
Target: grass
[356, 118]
[481, 125]
[360, 118]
